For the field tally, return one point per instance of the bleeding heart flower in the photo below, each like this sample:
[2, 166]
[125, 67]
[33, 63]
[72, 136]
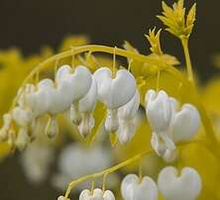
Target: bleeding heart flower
[132, 188]
[169, 124]
[97, 194]
[159, 114]
[22, 116]
[184, 186]
[127, 121]
[71, 87]
[114, 93]
[185, 123]
[40, 100]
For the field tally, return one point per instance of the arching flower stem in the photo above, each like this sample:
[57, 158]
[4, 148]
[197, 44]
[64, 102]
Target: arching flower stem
[108, 171]
[105, 172]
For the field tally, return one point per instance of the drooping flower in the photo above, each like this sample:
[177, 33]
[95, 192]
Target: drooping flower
[159, 114]
[114, 93]
[170, 123]
[132, 188]
[127, 119]
[97, 194]
[72, 86]
[186, 186]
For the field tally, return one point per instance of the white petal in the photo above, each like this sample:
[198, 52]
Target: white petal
[187, 186]
[40, 100]
[62, 198]
[84, 195]
[185, 123]
[158, 145]
[74, 85]
[115, 92]
[129, 110]
[22, 94]
[22, 117]
[126, 130]
[86, 124]
[97, 194]
[111, 122]
[158, 110]
[133, 189]
[52, 128]
[87, 103]
[75, 115]
[170, 155]
[22, 139]
[108, 195]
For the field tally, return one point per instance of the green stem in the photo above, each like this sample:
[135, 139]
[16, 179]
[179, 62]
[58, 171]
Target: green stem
[185, 44]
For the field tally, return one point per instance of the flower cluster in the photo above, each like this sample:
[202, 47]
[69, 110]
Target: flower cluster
[76, 92]
[185, 186]
[97, 99]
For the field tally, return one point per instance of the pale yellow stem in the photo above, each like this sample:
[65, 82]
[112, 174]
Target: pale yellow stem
[103, 173]
[185, 44]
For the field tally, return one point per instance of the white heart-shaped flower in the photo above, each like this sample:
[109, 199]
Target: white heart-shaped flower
[22, 116]
[158, 110]
[97, 194]
[132, 188]
[185, 186]
[22, 94]
[40, 100]
[115, 92]
[159, 113]
[70, 87]
[185, 123]
[73, 86]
